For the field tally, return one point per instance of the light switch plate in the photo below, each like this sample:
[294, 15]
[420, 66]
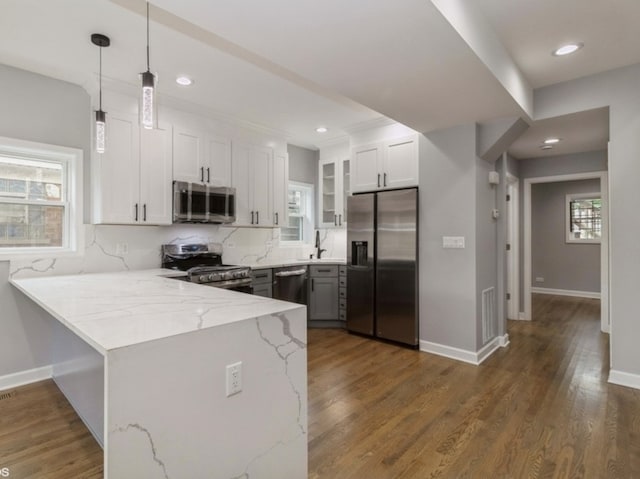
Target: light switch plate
[453, 242]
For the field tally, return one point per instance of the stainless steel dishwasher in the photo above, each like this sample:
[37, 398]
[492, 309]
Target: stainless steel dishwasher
[290, 284]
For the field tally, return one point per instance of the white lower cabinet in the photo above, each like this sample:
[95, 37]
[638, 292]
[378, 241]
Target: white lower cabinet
[132, 180]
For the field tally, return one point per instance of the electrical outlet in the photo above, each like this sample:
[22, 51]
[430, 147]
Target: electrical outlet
[122, 248]
[539, 279]
[234, 378]
[230, 245]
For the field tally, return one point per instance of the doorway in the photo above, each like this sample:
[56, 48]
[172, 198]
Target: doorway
[513, 248]
[604, 244]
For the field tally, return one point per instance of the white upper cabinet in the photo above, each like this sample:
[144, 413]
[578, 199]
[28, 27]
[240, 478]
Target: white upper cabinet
[156, 176]
[366, 166]
[201, 157]
[132, 179]
[252, 175]
[400, 163]
[280, 189]
[385, 165]
[334, 187]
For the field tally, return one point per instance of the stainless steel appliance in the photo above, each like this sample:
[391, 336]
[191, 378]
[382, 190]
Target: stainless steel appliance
[382, 265]
[198, 203]
[202, 264]
[290, 284]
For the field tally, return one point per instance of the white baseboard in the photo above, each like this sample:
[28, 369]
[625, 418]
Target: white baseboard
[458, 354]
[566, 292]
[25, 377]
[624, 379]
[503, 341]
[519, 318]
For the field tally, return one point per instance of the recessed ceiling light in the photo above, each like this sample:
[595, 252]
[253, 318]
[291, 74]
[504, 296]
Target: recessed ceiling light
[568, 49]
[551, 141]
[321, 129]
[184, 81]
[546, 147]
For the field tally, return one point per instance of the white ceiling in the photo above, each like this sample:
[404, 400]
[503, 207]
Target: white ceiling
[532, 29]
[295, 65]
[579, 132]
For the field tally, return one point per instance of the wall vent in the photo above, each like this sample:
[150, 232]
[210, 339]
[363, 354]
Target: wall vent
[489, 319]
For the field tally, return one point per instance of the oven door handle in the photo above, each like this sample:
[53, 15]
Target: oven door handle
[232, 283]
[297, 272]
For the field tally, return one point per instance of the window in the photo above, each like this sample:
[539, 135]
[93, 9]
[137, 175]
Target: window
[584, 218]
[300, 212]
[39, 185]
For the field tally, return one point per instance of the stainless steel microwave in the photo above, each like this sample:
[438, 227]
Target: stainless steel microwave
[198, 203]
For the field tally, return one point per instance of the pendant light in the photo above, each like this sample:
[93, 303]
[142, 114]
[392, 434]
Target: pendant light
[101, 41]
[147, 106]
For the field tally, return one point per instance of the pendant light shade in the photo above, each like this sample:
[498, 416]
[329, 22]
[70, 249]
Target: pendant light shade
[147, 102]
[100, 126]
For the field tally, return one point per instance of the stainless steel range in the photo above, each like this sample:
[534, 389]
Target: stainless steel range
[202, 264]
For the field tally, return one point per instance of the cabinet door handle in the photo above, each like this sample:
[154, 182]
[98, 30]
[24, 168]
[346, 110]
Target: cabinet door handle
[335, 220]
[313, 284]
[202, 174]
[339, 220]
[257, 217]
[378, 180]
[208, 175]
[144, 212]
[277, 222]
[136, 207]
[252, 217]
[385, 180]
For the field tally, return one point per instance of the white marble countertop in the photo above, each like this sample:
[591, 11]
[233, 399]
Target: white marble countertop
[116, 310]
[293, 262]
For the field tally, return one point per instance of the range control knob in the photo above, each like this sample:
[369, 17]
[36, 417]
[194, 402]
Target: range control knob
[212, 277]
[203, 278]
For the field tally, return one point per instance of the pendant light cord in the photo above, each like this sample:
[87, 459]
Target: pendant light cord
[147, 36]
[100, 79]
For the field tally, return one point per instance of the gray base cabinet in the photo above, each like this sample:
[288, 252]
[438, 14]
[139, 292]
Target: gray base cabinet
[324, 293]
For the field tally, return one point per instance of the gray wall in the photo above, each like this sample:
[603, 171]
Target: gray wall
[570, 266]
[455, 200]
[551, 166]
[303, 164]
[617, 89]
[41, 109]
[486, 240]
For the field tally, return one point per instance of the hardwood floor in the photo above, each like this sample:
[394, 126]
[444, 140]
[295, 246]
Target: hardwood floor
[540, 408]
[42, 437]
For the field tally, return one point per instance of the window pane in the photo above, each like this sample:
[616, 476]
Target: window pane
[30, 225]
[30, 179]
[586, 218]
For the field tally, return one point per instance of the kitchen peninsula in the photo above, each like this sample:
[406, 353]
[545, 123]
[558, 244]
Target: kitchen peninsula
[142, 358]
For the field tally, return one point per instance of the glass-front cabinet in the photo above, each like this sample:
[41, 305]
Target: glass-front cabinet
[334, 187]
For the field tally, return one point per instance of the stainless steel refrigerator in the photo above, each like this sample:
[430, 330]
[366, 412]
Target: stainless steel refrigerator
[382, 265]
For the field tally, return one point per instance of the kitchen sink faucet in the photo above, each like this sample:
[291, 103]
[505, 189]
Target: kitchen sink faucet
[320, 250]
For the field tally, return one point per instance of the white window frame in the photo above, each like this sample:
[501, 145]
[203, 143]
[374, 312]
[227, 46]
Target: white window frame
[568, 199]
[310, 212]
[71, 160]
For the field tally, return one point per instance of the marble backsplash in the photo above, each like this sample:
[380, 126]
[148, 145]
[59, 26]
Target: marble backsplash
[120, 248]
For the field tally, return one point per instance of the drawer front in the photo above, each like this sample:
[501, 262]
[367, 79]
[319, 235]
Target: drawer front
[262, 276]
[343, 315]
[343, 270]
[322, 271]
[343, 303]
[343, 293]
[342, 281]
